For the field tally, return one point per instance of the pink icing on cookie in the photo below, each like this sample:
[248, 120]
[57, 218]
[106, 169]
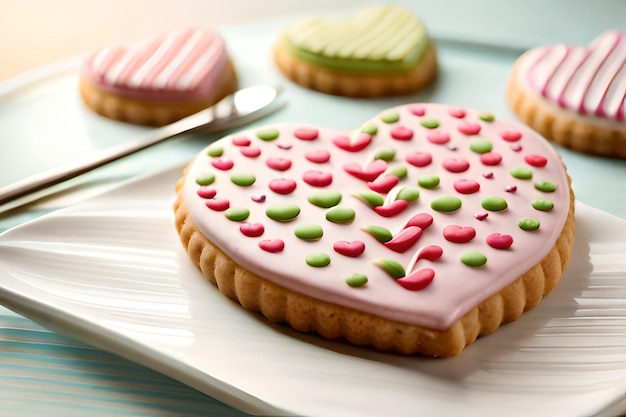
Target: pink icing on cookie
[362, 226]
[183, 65]
[590, 81]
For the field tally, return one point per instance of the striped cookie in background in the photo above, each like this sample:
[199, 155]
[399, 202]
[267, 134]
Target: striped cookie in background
[575, 96]
[159, 80]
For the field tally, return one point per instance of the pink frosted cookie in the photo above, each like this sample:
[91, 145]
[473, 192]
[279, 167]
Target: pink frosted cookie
[159, 80]
[418, 232]
[575, 96]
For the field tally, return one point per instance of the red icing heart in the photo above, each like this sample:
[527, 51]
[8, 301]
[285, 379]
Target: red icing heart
[222, 164]
[421, 220]
[351, 249]
[279, 164]
[401, 133]
[356, 145]
[404, 240]
[318, 157]
[511, 135]
[392, 209]
[241, 141]
[469, 128]
[419, 159]
[491, 158]
[206, 192]
[417, 280]
[282, 185]
[272, 245]
[536, 160]
[250, 151]
[369, 173]
[383, 184]
[438, 137]
[317, 178]
[306, 133]
[466, 186]
[458, 113]
[458, 234]
[456, 165]
[252, 229]
[499, 241]
[218, 204]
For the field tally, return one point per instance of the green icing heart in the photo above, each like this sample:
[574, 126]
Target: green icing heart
[378, 39]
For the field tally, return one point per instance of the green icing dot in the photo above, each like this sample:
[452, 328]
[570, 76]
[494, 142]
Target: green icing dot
[283, 212]
[542, 204]
[486, 117]
[391, 267]
[386, 154]
[244, 179]
[370, 198]
[522, 173]
[206, 179]
[324, 198]
[446, 204]
[481, 146]
[494, 203]
[429, 181]
[430, 123]
[379, 233]
[390, 117]
[528, 224]
[473, 259]
[309, 232]
[267, 134]
[370, 129]
[318, 259]
[399, 171]
[408, 193]
[215, 151]
[546, 186]
[356, 280]
[237, 214]
[340, 215]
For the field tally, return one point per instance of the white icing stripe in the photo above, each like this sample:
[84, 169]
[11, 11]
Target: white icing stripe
[578, 86]
[605, 75]
[166, 76]
[155, 60]
[616, 94]
[562, 76]
[547, 65]
[191, 77]
[101, 61]
[127, 62]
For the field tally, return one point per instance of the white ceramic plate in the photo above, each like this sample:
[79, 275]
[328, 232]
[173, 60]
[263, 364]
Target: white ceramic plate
[112, 272]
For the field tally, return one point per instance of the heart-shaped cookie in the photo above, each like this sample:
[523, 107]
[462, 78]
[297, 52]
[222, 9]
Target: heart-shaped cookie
[575, 95]
[160, 79]
[380, 51]
[451, 230]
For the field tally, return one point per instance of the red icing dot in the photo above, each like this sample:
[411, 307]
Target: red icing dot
[416, 109]
[466, 186]
[272, 246]
[511, 135]
[421, 220]
[481, 216]
[438, 137]
[317, 178]
[252, 229]
[417, 280]
[401, 133]
[356, 145]
[498, 241]
[241, 141]
[392, 209]
[469, 128]
[458, 113]
[279, 164]
[458, 234]
[404, 239]
[491, 158]
[222, 164]
[318, 157]
[510, 188]
[284, 146]
[488, 175]
[456, 165]
[258, 198]
[516, 147]
[306, 133]
[218, 204]
[282, 185]
[419, 159]
[369, 173]
[206, 192]
[351, 249]
[430, 253]
[250, 151]
[383, 184]
[536, 160]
